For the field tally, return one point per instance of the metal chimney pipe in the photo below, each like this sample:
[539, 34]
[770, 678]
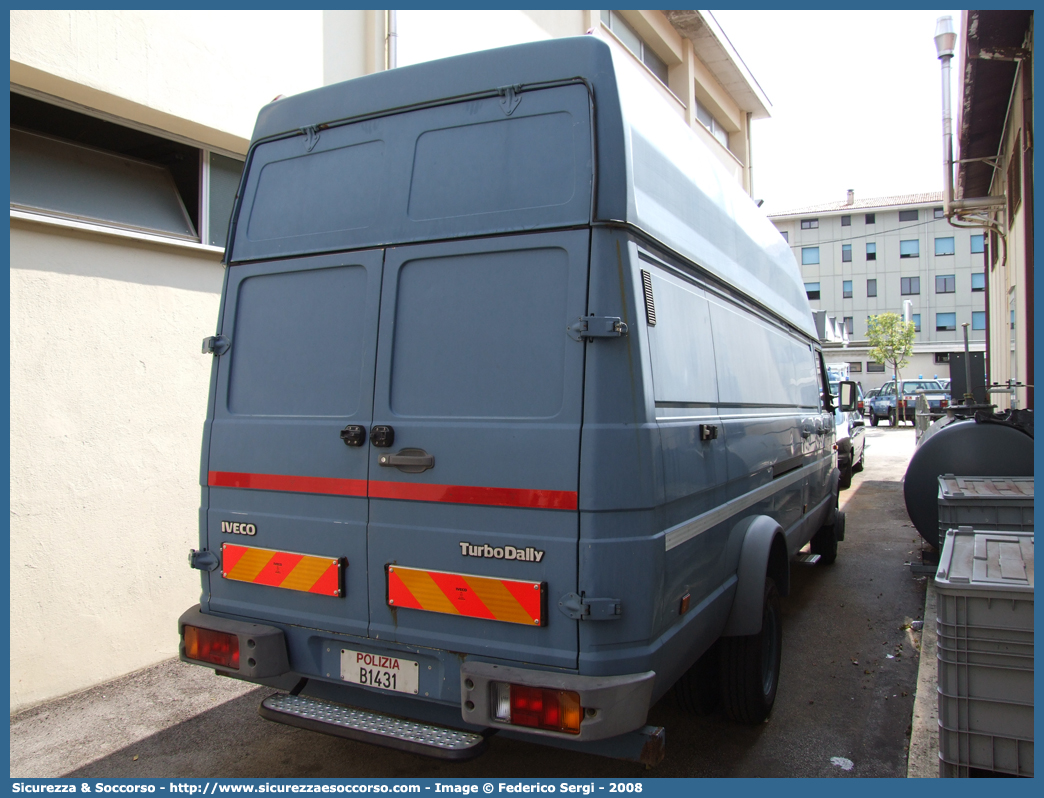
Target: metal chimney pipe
[851, 197]
[945, 40]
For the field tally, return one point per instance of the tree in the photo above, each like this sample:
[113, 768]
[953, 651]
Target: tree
[891, 341]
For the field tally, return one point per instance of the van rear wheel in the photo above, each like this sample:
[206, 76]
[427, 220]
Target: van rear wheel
[698, 691]
[750, 664]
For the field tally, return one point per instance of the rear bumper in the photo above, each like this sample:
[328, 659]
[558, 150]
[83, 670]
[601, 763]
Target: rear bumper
[262, 649]
[613, 705]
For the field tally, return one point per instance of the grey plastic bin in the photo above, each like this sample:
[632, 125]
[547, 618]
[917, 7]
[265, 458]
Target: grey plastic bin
[984, 587]
[985, 503]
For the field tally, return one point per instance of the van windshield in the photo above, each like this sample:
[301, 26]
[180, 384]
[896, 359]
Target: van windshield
[912, 386]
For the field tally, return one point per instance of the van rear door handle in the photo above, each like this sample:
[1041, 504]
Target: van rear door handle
[412, 461]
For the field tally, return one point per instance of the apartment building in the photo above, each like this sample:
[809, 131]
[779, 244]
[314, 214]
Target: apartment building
[128, 134]
[896, 254]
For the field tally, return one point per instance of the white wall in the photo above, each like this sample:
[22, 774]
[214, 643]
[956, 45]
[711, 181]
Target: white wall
[108, 399]
[194, 70]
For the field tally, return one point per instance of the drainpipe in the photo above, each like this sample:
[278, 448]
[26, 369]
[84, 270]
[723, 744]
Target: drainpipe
[391, 45]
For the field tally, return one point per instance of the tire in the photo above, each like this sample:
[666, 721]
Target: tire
[824, 542]
[859, 466]
[846, 477]
[893, 419]
[750, 665]
[874, 420]
[698, 691]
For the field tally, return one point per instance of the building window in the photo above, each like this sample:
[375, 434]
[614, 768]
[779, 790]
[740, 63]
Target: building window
[812, 290]
[713, 125]
[871, 287]
[909, 285]
[977, 244]
[68, 164]
[871, 251]
[786, 235]
[809, 256]
[1014, 187]
[1012, 323]
[908, 216]
[846, 221]
[945, 283]
[846, 289]
[938, 213]
[871, 218]
[942, 357]
[856, 368]
[944, 246]
[916, 319]
[809, 224]
[945, 322]
[849, 323]
[874, 368]
[633, 42]
[978, 319]
[978, 281]
[910, 248]
[846, 253]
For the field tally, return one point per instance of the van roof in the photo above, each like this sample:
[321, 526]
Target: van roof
[679, 193]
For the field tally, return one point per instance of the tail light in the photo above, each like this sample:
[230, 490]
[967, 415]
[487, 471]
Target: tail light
[944, 403]
[537, 707]
[860, 405]
[217, 648]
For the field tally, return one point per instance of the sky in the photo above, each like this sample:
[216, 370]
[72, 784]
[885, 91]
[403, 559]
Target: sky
[856, 102]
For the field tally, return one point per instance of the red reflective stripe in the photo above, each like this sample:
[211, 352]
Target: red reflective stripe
[282, 482]
[230, 554]
[470, 494]
[451, 494]
[399, 594]
[456, 588]
[278, 568]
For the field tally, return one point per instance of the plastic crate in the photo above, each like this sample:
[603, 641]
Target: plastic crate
[984, 619]
[985, 503]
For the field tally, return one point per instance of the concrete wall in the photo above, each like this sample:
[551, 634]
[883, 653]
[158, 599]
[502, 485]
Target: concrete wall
[186, 72]
[108, 399]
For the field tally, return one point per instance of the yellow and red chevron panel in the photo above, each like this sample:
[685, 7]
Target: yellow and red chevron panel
[303, 572]
[507, 600]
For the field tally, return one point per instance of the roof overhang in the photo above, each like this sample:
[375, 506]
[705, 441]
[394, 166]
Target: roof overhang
[993, 44]
[716, 52]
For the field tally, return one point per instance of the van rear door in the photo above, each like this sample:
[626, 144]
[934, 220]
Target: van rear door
[474, 525]
[287, 497]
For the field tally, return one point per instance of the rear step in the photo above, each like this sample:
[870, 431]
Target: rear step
[807, 559]
[372, 727]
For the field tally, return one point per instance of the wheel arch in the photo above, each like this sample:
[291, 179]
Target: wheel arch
[764, 553]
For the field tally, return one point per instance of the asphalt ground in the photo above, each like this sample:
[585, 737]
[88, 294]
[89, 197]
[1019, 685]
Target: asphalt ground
[843, 709]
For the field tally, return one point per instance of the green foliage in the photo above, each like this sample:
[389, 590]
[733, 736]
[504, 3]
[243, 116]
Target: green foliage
[891, 339]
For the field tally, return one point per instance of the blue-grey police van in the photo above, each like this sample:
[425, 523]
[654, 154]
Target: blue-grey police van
[517, 415]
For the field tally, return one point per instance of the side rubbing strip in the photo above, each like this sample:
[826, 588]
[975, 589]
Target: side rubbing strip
[687, 530]
[507, 600]
[303, 572]
[650, 305]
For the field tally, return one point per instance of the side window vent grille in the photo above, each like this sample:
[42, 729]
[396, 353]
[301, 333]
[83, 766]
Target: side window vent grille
[650, 305]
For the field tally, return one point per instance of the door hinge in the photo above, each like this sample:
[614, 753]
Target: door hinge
[509, 98]
[597, 327]
[581, 608]
[216, 344]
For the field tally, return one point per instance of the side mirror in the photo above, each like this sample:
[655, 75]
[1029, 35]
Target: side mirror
[848, 396]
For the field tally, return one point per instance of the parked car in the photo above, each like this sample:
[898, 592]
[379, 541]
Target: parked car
[884, 405]
[850, 437]
[864, 403]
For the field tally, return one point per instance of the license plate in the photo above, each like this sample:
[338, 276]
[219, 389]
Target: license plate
[377, 670]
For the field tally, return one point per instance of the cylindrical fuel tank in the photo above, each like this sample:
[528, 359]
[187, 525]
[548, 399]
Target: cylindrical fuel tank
[965, 449]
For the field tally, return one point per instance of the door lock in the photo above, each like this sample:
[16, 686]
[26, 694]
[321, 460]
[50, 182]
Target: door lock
[382, 436]
[353, 435]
